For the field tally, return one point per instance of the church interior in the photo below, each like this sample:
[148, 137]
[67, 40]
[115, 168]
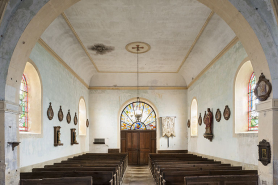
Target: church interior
[139, 92]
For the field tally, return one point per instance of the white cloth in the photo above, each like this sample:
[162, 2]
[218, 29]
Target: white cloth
[168, 126]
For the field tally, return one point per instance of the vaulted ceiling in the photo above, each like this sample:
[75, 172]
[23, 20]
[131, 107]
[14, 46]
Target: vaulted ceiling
[184, 35]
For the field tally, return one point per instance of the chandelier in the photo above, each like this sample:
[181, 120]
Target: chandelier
[138, 48]
[138, 111]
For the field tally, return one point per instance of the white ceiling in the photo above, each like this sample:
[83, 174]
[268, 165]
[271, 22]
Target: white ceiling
[169, 27]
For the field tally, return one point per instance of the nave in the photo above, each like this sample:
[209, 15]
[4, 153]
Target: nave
[163, 169]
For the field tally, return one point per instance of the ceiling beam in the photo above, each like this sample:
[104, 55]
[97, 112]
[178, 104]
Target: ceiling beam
[196, 39]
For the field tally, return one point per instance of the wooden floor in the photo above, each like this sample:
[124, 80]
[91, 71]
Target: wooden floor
[138, 175]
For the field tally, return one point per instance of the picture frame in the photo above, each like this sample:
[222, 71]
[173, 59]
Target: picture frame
[264, 152]
[50, 113]
[218, 115]
[263, 88]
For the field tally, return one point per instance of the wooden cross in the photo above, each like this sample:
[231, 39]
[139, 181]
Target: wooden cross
[137, 48]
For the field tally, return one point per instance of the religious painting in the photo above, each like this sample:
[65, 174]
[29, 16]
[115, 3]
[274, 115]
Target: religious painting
[73, 136]
[227, 113]
[50, 113]
[138, 115]
[60, 114]
[68, 117]
[263, 88]
[200, 120]
[218, 115]
[75, 119]
[264, 152]
[188, 123]
[208, 121]
[57, 136]
[168, 126]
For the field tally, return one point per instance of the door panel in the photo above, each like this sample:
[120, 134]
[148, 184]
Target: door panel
[138, 145]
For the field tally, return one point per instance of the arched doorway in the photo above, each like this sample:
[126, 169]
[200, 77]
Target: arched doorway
[138, 131]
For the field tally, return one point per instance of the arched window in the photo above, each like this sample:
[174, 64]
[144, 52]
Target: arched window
[252, 100]
[23, 102]
[82, 115]
[194, 120]
[30, 100]
[245, 117]
[138, 116]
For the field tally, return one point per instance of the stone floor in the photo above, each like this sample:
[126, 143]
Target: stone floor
[138, 175]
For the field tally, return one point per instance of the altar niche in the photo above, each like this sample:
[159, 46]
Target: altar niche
[138, 132]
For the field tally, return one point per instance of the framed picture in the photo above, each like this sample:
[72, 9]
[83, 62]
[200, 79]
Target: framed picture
[218, 115]
[264, 152]
[50, 113]
[263, 88]
[227, 113]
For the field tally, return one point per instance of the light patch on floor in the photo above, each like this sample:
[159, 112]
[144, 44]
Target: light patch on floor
[138, 175]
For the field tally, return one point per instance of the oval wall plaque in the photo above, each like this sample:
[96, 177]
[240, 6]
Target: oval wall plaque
[218, 115]
[68, 117]
[60, 114]
[200, 119]
[87, 123]
[50, 113]
[75, 119]
[226, 113]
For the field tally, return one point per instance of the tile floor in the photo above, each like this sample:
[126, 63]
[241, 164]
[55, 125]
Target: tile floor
[140, 175]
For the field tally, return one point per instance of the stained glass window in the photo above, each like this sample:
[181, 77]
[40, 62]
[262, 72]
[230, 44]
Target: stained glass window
[23, 102]
[253, 121]
[138, 116]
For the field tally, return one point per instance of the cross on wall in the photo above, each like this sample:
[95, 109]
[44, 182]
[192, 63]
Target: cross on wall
[138, 47]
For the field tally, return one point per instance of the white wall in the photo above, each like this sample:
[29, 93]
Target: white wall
[105, 112]
[60, 87]
[215, 90]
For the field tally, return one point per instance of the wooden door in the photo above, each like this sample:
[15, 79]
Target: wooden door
[138, 145]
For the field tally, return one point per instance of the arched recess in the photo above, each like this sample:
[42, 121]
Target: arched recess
[241, 81]
[194, 117]
[35, 102]
[82, 116]
[22, 33]
[133, 100]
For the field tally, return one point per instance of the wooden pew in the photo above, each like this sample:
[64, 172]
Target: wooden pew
[58, 181]
[99, 177]
[72, 169]
[177, 178]
[222, 179]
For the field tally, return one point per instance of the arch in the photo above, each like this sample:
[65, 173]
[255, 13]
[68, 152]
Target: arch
[128, 102]
[194, 117]
[35, 102]
[241, 82]
[82, 116]
[147, 120]
[23, 35]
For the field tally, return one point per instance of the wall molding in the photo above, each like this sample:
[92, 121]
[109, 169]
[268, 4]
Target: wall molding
[10, 107]
[139, 88]
[50, 162]
[245, 166]
[59, 59]
[227, 48]
[196, 40]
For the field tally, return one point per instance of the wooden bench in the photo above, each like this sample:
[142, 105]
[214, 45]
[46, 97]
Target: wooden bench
[58, 181]
[222, 179]
[176, 178]
[99, 177]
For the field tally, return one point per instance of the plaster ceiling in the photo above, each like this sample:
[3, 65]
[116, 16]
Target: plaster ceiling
[169, 27]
